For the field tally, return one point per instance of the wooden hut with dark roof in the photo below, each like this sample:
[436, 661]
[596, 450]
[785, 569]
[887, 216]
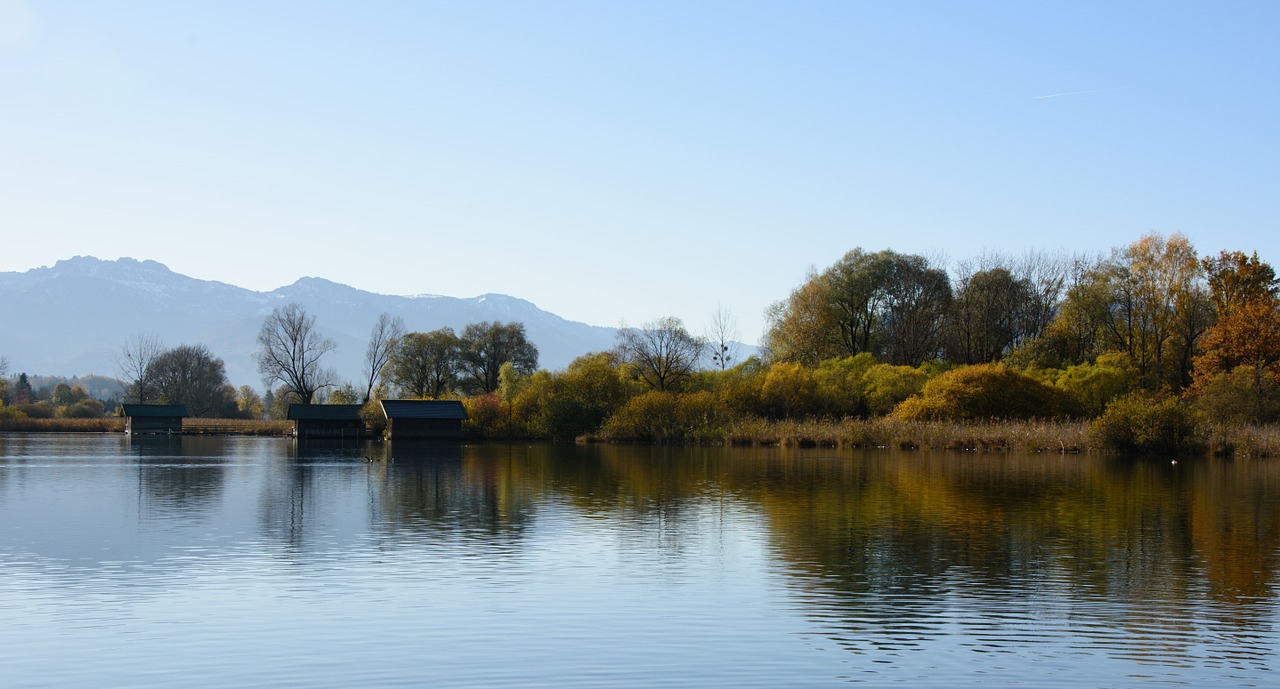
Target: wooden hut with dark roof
[327, 420]
[145, 419]
[424, 419]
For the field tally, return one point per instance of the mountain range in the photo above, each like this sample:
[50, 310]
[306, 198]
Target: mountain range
[75, 317]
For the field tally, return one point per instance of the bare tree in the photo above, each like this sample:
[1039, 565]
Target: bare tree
[1046, 274]
[722, 338]
[382, 343]
[290, 352]
[134, 363]
[663, 353]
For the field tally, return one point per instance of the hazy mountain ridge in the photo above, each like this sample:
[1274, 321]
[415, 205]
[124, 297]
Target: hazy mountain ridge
[72, 318]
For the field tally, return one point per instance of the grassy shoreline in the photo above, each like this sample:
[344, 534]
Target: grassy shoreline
[1056, 437]
[1067, 437]
[115, 424]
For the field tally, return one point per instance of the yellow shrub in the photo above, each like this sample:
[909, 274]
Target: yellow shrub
[985, 391]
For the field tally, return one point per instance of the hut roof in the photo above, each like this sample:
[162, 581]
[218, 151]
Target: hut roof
[325, 412]
[143, 411]
[423, 409]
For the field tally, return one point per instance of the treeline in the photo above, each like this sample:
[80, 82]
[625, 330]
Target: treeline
[187, 374]
[291, 349]
[1152, 344]
[40, 397]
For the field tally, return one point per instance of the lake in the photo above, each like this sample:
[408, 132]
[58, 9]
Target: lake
[258, 562]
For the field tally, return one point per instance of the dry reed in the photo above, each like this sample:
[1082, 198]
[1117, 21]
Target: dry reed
[992, 436]
[109, 424]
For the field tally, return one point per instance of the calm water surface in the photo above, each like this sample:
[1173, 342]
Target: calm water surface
[255, 562]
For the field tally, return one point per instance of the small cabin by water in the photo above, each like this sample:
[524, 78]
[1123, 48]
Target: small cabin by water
[144, 419]
[327, 420]
[424, 419]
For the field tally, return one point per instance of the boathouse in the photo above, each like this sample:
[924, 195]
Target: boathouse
[424, 419]
[326, 420]
[144, 419]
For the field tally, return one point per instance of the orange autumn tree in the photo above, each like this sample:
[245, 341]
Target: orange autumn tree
[1243, 346]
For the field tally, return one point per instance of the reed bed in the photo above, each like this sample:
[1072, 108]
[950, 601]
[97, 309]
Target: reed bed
[115, 424]
[110, 424]
[1062, 437]
[994, 436]
[236, 427]
[1243, 440]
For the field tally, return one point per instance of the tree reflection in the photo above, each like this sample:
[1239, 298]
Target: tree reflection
[178, 474]
[428, 488]
[880, 545]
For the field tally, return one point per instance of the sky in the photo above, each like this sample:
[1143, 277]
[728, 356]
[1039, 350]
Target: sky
[617, 162]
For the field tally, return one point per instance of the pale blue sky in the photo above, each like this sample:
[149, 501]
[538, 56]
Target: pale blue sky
[624, 161]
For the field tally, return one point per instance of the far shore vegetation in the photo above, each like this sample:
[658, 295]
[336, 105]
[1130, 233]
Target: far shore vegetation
[1149, 348]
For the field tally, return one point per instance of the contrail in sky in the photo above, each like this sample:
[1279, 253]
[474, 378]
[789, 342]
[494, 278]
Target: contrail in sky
[1072, 93]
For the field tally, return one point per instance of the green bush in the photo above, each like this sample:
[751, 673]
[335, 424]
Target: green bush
[884, 386]
[574, 402]
[1035, 354]
[841, 384]
[84, 409]
[374, 419]
[1146, 423]
[985, 391]
[1093, 386]
[665, 417]
[738, 389]
[1245, 395]
[38, 410]
[487, 417]
[790, 391]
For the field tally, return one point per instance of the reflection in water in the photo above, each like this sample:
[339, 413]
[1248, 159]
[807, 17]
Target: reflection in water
[914, 565]
[178, 474]
[1111, 553]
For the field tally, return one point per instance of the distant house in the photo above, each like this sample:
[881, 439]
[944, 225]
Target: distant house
[423, 419]
[142, 419]
[327, 420]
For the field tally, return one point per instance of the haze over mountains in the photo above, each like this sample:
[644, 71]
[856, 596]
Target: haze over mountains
[73, 318]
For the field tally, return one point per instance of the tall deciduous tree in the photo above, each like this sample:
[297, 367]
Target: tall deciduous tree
[289, 352]
[191, 375]
[1079, 330]
[382, 342]
[1002, 303]
[1246, 335]
[1159, 307]
[803, 328]
[859, 290]
[486, 346]
[886, 303]
[987, 316]
[662, 352]
[249, 404]
[133, 362]
[919, 295]
[426, 364]
[1045, 275]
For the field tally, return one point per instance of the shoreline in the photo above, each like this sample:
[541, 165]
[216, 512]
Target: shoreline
[988, 437]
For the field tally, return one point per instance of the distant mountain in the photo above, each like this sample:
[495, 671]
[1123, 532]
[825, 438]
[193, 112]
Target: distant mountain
[73, 318]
